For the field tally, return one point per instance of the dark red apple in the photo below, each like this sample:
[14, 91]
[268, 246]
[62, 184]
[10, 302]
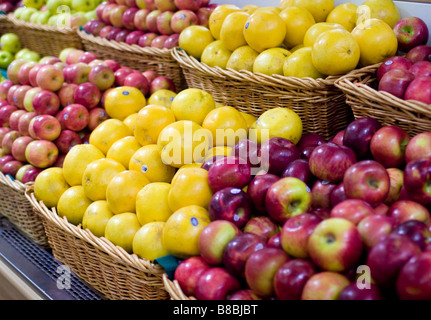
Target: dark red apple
[358, 136]
[262, 226]
[421, 68]
[419, 53]
[244, 294]
[338, 194]
[276, 153]
[257, 189]
[229, 172]
[417, 179]
[414, 281]
[247, 150]
[411, 32]
[353, 292]
[395, 62]
[374, 227]
[396, 82]
[404, 210]
[329, 161]
[354, 210]
[419, 90]
[231, 204]
[299, 168]
[216, 284]
[321, 194]
[416, 230]
[188, 272]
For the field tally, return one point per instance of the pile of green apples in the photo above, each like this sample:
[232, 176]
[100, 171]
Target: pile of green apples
[11, 49]
[57, 13]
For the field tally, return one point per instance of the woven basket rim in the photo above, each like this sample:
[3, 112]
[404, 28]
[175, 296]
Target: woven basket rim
[13, 183]
[39, 26]
[100, 243]
[306, 83]
[174, 289]
[122, 45]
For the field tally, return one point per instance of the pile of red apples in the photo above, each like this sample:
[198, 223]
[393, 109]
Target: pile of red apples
[344, 219]
[148, 23]
[407, 76]
[49, 106]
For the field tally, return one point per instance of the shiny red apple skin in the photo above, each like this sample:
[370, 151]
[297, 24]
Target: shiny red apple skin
[338, 194]
[299, 168]
[395, 62]
[419, 53]
[321, 194]
[276, 153]
[419, 146]
[354, 210]
[396, 178]
[258, 187]
[358, 134]
[324, 285]
[295, 233]
[417, 231]
[404, 210]
[414, 281]
[373, 228]
[388, 256]
[417, 177]
[396, 82]
[263, 226]
[353, 292]
[410, 32]
[188, 272]
[419, 90]
[330, 161]
[216, 284]
[367, 180]
[229, 172]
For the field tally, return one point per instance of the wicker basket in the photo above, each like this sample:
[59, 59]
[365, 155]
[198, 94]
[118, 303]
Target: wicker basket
[44, 39]
[15, 206]
[319, 103]
[135, 57]
[6, 25]
[109, 269]
[366, 101]
[174, 289]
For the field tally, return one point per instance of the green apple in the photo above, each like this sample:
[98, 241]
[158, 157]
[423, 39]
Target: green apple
[83, 5]
[17, 13]
[43, 17]
[31, 56]
[52, 21]
[63, 53]
[52, 5]
[21, 52]
[34, 16]
[5, 59]
[90, 15]
[10, 42]
[27, 13]
[36, 4]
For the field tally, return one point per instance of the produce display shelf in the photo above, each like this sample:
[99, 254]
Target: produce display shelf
[38, 269]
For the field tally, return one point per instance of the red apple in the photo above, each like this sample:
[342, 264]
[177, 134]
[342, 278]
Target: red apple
[137, 80]
[417, 176]
[260, 269]
[3, 131]
[66, 94]
[330, 161]
[367, 180]
[229, 172]
[150, 75]
[10, 94]
[295, 233]
[414, 282]
[66, 140]
[404, 210]
[354, 210]
[145, 39]
[32, 74]
[275, 241]
[4, 88]
[419, 53]
[411, 32]
[286, 198]
[231, 204]
[188, 272]
[324, 285]
[373, 228]
[338, 138]
[276, 153]
[418, 147]
[214, 238]
[114, 65]
[396, 82]
[18, 147]
[24, 122]
[121, 35]
[321, 194]
[163, 23]
[338, 194]
[103, 33]
[159, 41]
[120, 74]
[140, 18]
[5, 159]
[12, 167]
[238, 250]
[291, 277]
[216, 284]
[102, 76]
[388, 256]
[31, 174]
[192, 5]
[14, 118]
[162, 82]
[44, 127]
[13, 69]
[421, 68]
[257, 189]
[75, 117]
[133, 37]
[299, 168]
[396, 177]
[243, 294]
[395, 62]
[151, 20]
[41, 153]
[87, 94]
[419, 89]
[416, 230]
[21, 171]
[335, 245]
[128, 18]
[23, 73]
[19, 95]
[28, 98]
[73, 56]
[358, 136]
[79, 73]
[172, 41]
[46, 102]
[8, 140]
[95, 117]
[5, 113]
[262, 226]
[87, 57]
[50, 78]
[247, 150]
[353, 292]
[182, 19]
[116, 16]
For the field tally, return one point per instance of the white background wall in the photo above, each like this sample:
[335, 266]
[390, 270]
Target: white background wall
[421, 10]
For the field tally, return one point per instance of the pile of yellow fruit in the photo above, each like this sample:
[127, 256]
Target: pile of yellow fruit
[139, 181]
[299, 38]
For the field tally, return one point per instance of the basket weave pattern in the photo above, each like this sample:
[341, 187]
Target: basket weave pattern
[135, 57]
[319, 103]
[174, 289]
[6, 25]
[18, 210]
[365, 101]
[44, 39]
[109, 269]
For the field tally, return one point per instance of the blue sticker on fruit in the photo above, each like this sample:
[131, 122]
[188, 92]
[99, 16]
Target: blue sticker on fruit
[65, 116]
[194, 221]
[126, 93]
[246, 25]
[182, 16]
[144, 168]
